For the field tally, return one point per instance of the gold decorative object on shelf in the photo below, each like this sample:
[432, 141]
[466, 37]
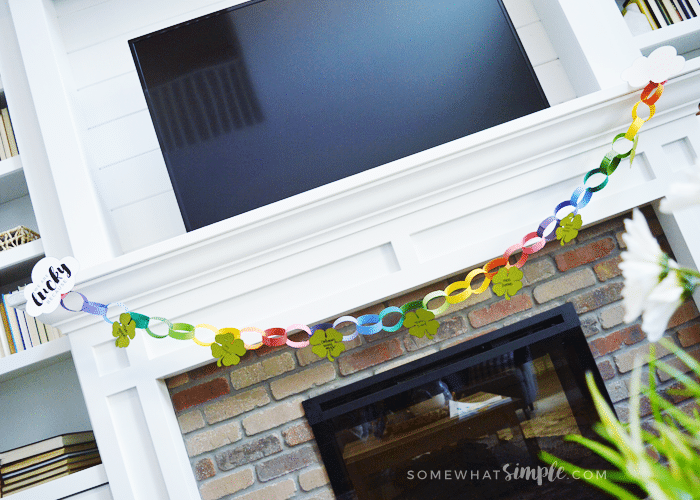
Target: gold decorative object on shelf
[15, 237]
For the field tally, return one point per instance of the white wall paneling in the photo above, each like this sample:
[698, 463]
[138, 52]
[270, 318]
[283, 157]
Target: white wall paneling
[118, 139]
[88, 229]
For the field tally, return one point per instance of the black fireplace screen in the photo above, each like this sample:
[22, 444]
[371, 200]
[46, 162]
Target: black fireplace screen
[467, 422]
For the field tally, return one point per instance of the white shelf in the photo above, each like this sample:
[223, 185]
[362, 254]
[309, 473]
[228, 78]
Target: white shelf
[12, 182]
[683, 36]
[21, 363]
[17, 256]
[10, 165]
[66, 486]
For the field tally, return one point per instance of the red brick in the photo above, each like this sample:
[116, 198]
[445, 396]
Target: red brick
[612, 342]
[499, 310]
[676, 392]
[608, 269]
[605, 345]
[689, 335]
[683, 314]
[370, 356]
[204, 469]
[200, 394]
[583, 254]
[300, 433]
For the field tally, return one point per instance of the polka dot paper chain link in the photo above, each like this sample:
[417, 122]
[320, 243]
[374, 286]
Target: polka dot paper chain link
[228, 345]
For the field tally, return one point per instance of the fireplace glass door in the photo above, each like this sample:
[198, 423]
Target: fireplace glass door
[468, 422]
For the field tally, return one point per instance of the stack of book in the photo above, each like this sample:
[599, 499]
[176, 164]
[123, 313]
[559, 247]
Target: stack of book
[38, 463]
[660, 13]
[19, 331]
[8, 145]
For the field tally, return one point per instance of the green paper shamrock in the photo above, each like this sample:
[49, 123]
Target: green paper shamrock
[327, 343]
[421, 323]
[227, 349]
[124, 329]
[568, 228]
[507, 281]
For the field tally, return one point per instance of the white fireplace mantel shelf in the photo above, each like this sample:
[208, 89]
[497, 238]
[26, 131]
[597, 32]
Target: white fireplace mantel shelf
[388, 219]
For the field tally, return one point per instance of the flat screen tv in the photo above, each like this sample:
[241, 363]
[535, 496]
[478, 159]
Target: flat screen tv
[271, 98]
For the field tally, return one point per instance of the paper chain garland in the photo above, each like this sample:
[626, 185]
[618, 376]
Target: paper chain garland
[228, 346]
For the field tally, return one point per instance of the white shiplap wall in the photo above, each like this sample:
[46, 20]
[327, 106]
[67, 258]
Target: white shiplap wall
[117, 133]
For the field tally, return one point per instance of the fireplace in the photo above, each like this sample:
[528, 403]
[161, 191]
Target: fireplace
[247, 435]
[468, 421]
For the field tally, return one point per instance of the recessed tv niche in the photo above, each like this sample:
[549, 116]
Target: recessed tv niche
[271, 98]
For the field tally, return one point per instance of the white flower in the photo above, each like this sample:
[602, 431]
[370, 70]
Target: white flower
[654, 284]
[661, 65]
[683, 194]
[660, 305]
[641, 265]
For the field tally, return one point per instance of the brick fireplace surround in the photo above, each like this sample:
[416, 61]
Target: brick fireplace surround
[244, 427]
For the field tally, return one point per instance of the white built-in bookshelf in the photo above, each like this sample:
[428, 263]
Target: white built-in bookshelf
[90, 179]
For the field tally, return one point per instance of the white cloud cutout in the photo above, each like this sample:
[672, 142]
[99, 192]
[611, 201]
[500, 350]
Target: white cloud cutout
[661, 65]
[51, 278]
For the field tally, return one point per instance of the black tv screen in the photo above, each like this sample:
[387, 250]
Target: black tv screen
[271, 98]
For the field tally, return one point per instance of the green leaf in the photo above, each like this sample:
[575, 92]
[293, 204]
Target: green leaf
[227, 349]
[568, 228]
[124, 329]
[599, 482]
[507, 281]
[421, 323]
[327, 343]
[599, 449]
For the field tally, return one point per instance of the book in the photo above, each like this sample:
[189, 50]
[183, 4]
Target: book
[656, 12]
[14, 326]
[35, 476]
[6, 329]
[692, 10]
[642, 6]
[47, 465]
[47, 445]
[672, 11]
[5, 114]
[23, 328]
[680, 8]
[5, 142]
[3, 350]
[33, 330]
[43, 457]
[13, 490]
[51, 332]
[43, 333]
[664, 12]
